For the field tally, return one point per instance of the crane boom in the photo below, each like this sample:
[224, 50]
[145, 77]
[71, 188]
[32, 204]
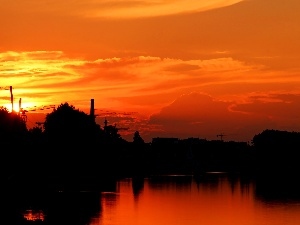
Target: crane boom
[221, 136]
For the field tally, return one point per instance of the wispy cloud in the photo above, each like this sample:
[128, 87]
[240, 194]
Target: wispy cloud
[146, 8]
[115, 79]
[36, 68]
[118, 8]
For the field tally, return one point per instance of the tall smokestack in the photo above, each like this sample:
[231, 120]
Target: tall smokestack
[92, 109]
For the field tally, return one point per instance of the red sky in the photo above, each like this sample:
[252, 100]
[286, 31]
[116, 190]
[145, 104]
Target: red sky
[170, 68]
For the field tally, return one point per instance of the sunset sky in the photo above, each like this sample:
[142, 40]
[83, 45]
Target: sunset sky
[170, 68]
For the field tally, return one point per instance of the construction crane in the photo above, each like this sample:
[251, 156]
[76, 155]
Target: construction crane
[221, 135]
[110, 128]
[22, 112]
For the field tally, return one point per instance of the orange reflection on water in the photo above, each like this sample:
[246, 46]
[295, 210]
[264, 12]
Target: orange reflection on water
[34, 215]
[211, 203]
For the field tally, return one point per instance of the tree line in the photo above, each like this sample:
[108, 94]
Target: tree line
[71, 147]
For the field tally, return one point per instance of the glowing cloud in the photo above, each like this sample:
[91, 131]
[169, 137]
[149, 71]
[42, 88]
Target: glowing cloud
[146, 8]
[147, 84]
[120, 82]
[119, 8]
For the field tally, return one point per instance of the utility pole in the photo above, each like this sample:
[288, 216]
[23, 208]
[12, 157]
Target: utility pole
[11, 99]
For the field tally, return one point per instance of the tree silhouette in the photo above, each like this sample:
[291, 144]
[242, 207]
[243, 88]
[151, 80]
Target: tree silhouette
[69, 125]
[277, 150]
[111, 133]
[12, 127]
[72, 141]
[12, 136]
[137, 139]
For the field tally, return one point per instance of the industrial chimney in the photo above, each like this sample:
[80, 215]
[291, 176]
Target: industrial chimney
[92, 110]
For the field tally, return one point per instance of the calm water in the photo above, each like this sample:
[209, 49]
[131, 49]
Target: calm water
[176, 200]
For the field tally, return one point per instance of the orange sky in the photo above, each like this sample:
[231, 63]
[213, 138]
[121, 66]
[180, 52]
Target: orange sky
[169, 68]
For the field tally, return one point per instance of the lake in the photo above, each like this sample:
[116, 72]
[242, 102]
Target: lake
[209, 199]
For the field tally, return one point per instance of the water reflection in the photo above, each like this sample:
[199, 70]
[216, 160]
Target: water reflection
[57, 208]
[137, 186]
[207, 199]
[215, 198]
[280, 188]
[34, 215]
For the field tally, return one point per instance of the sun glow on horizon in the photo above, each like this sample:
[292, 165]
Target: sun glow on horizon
[27, 106]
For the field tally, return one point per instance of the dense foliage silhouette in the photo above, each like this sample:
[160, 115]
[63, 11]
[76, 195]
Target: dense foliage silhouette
[13, 128]
[69, 125]
[13, 133]
[72, 150]
[277, 151]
